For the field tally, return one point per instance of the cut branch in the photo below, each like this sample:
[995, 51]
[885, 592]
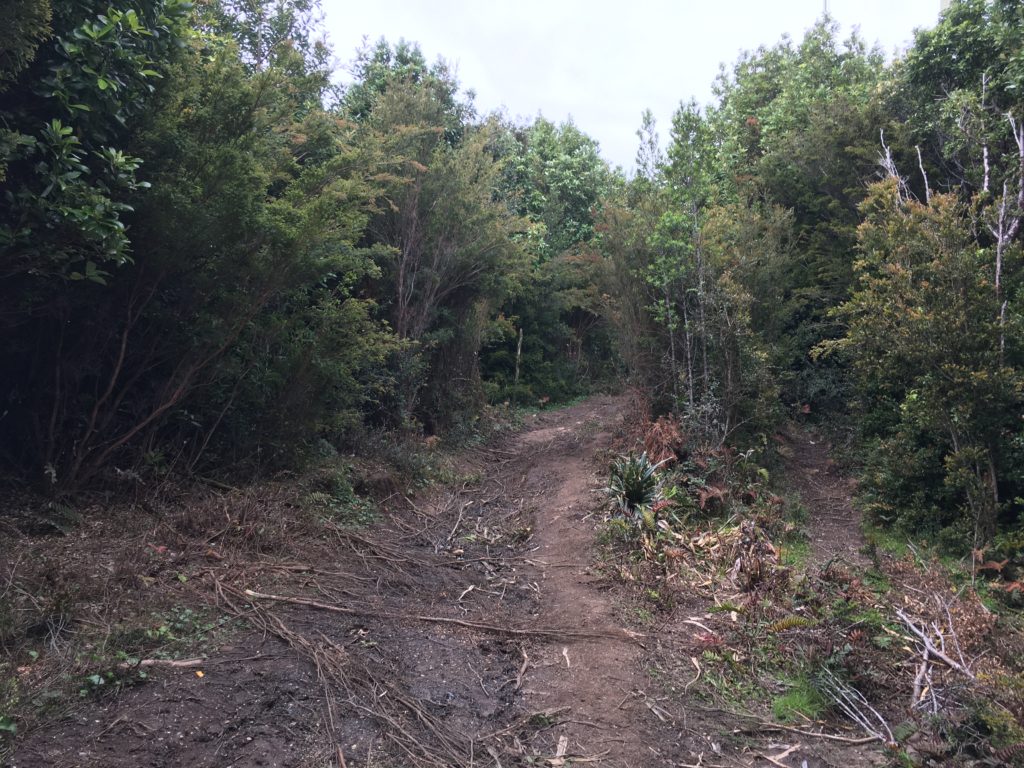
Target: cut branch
[930, 647]
[553, 633]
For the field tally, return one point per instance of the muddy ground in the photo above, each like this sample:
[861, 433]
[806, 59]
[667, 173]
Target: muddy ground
[479, 626]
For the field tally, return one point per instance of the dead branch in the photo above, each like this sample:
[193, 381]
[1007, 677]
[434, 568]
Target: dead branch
[817, 735]
[930, 648]
[547, 714]
[163, 663]
[922, 671]
[552, 633]
[856, 707]
[388, 704]
[693, 660]
[522, 669]
[777, 759]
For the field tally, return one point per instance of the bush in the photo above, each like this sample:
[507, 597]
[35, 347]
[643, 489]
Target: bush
[633, 485]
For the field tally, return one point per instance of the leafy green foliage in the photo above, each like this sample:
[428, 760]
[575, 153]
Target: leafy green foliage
[633, 484]
[63, 212]
[24, 24]
[938, 383]
[684, 315]
[958, 83]
[797, 127]
[212, 257]
[244, 284]
[552, 340]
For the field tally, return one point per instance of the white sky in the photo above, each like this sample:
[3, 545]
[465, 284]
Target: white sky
[603, 62]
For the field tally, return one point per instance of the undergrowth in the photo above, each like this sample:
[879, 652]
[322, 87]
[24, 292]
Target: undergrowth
[801, 640]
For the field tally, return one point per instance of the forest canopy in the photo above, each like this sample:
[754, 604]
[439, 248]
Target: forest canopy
[214, 259]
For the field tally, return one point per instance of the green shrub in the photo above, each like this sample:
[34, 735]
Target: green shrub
[633, 484]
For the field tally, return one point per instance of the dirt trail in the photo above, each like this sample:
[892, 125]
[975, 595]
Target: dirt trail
[834, 525]
[470, 630]
[590, 678]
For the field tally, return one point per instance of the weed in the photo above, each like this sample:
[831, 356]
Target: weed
[802, 700]
[542, 720]
[869, 619]
[796, 512]
[166, 635]
[616, 531]
[876, 580]
[795, 552]
[883, 539]
[8, 701]
[110, 681]
[644, 617]
[333, 497]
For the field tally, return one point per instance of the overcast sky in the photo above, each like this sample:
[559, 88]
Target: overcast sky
[603, 62]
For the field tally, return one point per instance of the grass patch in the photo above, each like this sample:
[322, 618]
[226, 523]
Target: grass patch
[331, 496]
[795, 552]
[802, 701]
[887, 540]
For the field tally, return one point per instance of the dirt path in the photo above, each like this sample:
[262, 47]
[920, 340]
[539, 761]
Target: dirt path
[482, 626]
[475, 628]
[469, 630]
[834, 525]
[591, 678]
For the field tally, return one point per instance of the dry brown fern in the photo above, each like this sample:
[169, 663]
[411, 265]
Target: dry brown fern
[1010, 753]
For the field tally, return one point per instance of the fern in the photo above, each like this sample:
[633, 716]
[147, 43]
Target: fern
[791, 622]
[648, 518]
[1010, 753]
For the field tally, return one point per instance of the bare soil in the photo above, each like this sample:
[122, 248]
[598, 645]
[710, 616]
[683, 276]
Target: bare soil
[471, 628]
[482, 625]
[834, 527]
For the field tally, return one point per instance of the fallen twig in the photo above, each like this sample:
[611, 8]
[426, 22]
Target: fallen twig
[853, 704]
[163, 663]
[777, 759]
[693, 660]
[930, 646]
[522, 669]
[544, 713]
[818, 735]
[492, 628]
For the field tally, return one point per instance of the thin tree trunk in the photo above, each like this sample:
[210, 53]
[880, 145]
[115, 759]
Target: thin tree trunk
[519, 355]
[688, 349]
[669, 315]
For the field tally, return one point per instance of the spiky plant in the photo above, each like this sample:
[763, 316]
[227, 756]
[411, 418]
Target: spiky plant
[633, 484]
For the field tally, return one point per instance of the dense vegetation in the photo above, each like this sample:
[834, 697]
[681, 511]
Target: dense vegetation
[216, 260]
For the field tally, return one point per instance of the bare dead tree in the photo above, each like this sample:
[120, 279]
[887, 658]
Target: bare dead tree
[1005, 224]
[924, 175]
[984, 145]
[891, 171]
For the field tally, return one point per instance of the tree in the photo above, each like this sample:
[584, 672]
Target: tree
[797, 126]
[453, 256]
[24, 25]
[67, 116]
[554, 338]
[381, 67]
[939, 400]
[240, 301]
